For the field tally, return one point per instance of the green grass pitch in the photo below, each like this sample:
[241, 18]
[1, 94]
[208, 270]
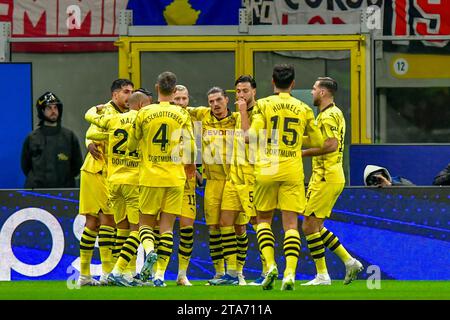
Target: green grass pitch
[357, 290]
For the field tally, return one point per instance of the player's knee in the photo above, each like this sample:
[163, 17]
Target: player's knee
[240, 229]
[310, 225]
[214, 227]
[92, 223]
[306, 227]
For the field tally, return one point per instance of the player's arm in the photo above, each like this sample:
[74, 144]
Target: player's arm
[197, 113]
[91, 144]
[245, 121]
[94, 134]
[190, 148]
[258, 124]
[313, 137]
[329, 145]
[95, 116]
[331, 142]
[135, 134]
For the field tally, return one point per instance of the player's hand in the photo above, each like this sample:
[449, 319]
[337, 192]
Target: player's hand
[100, 107]
[241, 105]
[190, 170]
[95, 151]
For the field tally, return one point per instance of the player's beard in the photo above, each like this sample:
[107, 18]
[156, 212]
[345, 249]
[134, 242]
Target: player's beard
[316, 102]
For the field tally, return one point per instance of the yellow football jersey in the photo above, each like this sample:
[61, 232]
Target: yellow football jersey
[241, 166]
[123, 166]
[162, 130]
[90, 164]
[329, 166]
[278, 126]
[217, 141]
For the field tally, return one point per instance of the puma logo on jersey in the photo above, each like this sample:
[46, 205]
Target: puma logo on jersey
[62, 157]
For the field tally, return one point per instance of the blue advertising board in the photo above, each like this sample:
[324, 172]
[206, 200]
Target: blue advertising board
[402, 232]
[419, 163]
[16, 115]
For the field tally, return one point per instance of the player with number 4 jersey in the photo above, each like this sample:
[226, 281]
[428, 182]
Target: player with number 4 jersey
[164, 133]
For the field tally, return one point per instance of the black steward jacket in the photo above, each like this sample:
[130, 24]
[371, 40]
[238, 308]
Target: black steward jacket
[51, 158]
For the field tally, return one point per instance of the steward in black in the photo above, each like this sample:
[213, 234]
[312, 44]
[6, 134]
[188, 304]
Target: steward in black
[51, 155]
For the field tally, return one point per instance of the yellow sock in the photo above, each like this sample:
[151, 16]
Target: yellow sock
[332, 242]
[242, 247]
[121, 237]
[317, 250]
[87, 243]
[156, 235]
[131, 267]
[127, 253]
[266, 242]
[229, 246]
[147, 238]
[291, 247]
[105, 245]
[216, 251]
[185, 248]
[165, 249]
[263, 261]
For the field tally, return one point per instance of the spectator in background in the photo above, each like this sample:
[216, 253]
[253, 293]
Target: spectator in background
[443, 177]
[380, 177]
[51, 155]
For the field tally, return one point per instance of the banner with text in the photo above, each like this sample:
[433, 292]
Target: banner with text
[398, 18]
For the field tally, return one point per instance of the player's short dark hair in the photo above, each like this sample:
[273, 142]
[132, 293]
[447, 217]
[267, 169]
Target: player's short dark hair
[166, 82]
[144, 91]
[246, 78]
[216, 90]
[328, 83]
[119, 83]
[283, 75]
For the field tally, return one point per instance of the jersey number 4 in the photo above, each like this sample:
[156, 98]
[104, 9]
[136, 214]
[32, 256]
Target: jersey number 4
[161, 137]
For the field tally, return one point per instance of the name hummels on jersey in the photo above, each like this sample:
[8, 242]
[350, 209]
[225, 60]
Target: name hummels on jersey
[286, 106]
